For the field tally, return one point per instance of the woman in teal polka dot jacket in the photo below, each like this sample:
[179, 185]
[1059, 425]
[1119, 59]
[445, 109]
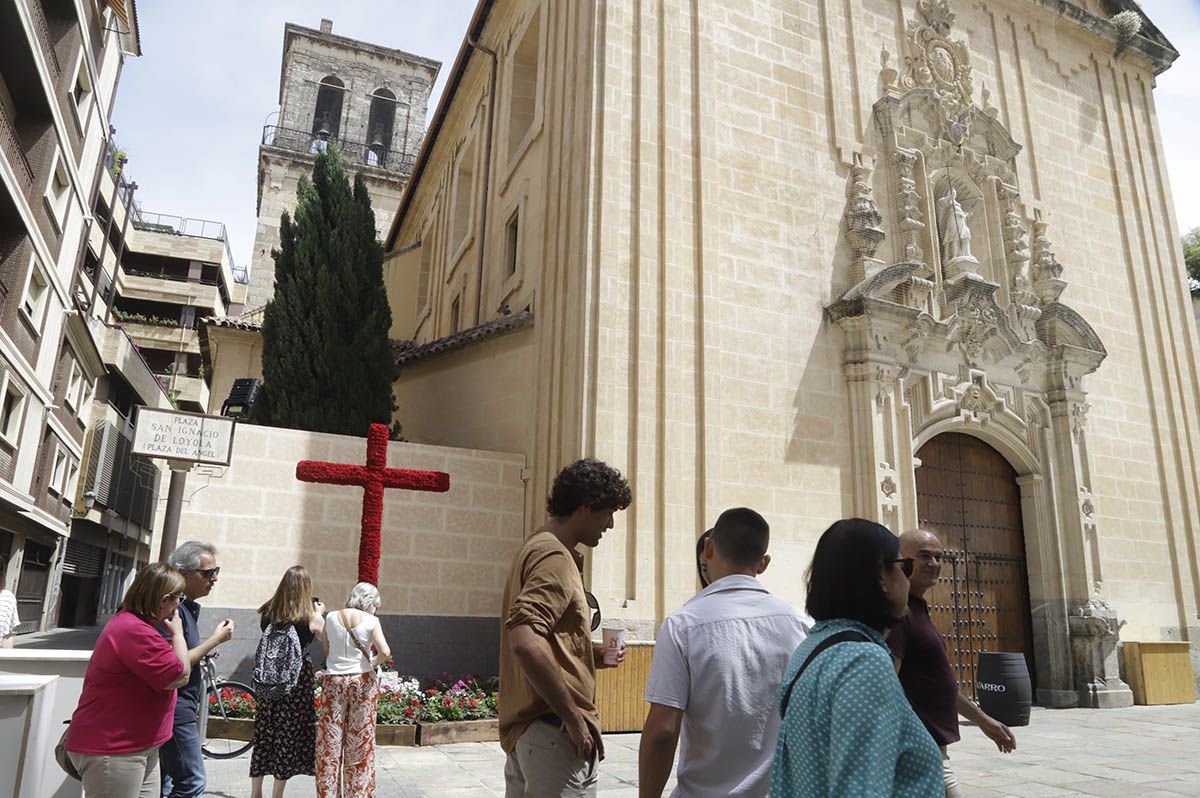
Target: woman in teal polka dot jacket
[847, 728]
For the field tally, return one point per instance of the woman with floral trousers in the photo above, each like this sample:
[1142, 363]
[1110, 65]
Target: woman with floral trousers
[346, 722]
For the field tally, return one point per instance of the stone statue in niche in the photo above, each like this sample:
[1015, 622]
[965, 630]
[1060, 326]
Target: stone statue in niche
[955, 232]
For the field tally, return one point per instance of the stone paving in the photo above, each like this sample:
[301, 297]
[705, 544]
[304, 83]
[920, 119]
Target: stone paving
[1148, 752]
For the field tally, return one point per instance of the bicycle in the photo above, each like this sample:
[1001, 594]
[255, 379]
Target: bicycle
[224, 691]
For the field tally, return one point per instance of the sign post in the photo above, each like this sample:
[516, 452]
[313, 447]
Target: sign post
[182, 439]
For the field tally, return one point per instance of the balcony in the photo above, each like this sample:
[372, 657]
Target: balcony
[186, 390]
[181, 237]
[10, 146]
[150, 335]
[152, 287]
[357, 153]
[120, 354]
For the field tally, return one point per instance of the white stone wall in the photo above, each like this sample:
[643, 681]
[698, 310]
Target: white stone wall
[442, 553]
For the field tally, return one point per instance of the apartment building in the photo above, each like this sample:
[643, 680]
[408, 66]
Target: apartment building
[61, 367]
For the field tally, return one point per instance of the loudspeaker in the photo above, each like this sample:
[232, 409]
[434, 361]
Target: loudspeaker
[241, 397]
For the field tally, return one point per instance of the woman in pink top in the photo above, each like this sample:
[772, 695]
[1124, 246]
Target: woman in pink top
[128, 702]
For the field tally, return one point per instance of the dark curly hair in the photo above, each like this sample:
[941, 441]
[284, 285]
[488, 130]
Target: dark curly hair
[588, 483]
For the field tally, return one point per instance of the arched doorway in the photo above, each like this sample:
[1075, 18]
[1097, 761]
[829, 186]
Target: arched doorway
[967, 493]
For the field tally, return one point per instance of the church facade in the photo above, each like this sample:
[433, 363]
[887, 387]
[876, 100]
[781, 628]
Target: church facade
[910, 260]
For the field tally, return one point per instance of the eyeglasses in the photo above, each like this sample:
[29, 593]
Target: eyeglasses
[595, 605]
[207, 573]
[906, 565]
[176, 596]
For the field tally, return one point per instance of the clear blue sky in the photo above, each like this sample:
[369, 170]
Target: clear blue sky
[190, 111]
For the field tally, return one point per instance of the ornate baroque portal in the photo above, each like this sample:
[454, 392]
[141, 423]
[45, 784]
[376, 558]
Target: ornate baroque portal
[956, 325]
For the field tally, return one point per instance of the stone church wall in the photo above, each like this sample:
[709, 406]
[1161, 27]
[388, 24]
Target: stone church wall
[693, 173]
[444, 555]
[726, 152]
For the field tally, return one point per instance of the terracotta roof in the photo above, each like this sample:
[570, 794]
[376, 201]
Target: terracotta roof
[408, 353]
[250, 320]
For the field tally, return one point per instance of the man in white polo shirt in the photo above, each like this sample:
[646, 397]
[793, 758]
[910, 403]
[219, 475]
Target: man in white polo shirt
[714, 681]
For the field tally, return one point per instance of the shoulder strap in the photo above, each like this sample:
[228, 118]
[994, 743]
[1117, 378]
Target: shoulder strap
[350, 634]
[840, 637]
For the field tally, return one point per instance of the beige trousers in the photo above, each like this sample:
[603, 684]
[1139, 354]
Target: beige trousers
[132, 775]
[948, 778]
[544, 765]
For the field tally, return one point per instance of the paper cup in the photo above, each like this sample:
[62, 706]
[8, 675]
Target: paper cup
[614, 639]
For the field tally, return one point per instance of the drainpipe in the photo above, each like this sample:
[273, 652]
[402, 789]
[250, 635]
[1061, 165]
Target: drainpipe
[473, 41]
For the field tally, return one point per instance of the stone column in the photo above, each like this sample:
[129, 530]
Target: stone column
[1092, 623]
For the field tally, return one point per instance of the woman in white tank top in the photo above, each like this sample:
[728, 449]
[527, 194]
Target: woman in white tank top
[346, 721]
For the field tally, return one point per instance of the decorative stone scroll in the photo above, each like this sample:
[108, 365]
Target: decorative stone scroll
[936, 62]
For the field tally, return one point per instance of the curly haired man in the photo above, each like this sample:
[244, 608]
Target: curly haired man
[549, 725]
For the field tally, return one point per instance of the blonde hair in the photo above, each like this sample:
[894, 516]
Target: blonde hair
[293, 601]
[152, 583]
[365, 597]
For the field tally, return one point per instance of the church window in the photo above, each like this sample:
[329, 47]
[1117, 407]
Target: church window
[454, 315]
[379, 127]
[512, 239]
[426, 269]
[464, 184]
[327, 117]
[523, 87]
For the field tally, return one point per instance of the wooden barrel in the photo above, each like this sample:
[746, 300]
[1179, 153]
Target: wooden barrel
[1002, 687]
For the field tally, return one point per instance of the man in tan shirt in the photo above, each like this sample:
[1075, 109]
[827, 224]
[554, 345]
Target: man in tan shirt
[549, 725]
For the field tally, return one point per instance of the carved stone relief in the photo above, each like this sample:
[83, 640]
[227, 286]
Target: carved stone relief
[965, 331]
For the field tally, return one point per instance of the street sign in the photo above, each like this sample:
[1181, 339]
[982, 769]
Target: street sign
[182, 436]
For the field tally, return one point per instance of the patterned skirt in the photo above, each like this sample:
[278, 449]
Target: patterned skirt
[285, 731]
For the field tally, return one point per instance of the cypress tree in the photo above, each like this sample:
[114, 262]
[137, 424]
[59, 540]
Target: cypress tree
[327, 361]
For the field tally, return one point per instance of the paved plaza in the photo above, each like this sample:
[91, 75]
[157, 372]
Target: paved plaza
[1146, 752]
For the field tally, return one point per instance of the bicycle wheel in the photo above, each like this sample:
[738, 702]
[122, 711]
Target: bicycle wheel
[223, 739]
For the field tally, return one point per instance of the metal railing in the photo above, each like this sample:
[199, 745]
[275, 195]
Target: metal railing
[168, 224]
[180, 226]
[355, 152]
[206, 281]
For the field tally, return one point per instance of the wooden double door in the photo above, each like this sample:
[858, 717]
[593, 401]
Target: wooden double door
[968, 495]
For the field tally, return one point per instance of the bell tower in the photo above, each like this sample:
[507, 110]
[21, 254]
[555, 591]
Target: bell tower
[369, 101]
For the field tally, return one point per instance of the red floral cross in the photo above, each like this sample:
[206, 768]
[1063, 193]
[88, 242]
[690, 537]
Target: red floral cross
[372, 478]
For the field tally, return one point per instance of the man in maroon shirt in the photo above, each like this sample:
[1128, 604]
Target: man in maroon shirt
[924, 667]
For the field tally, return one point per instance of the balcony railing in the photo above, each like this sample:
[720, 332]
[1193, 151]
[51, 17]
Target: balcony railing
[167, 224]
[172, 277]
[179, 226]
[355, 152]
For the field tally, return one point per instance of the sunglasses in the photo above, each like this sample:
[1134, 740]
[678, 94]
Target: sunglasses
[906, 565]
[595, 605]
[207, 573]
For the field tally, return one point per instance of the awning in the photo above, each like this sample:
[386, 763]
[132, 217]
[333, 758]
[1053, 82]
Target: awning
[120, 11]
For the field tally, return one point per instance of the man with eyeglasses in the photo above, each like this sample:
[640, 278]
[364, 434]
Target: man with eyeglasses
[924, 667]
[549, 724]
[181, 759]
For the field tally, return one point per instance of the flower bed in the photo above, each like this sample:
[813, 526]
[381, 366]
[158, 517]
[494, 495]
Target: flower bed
[401, 701]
